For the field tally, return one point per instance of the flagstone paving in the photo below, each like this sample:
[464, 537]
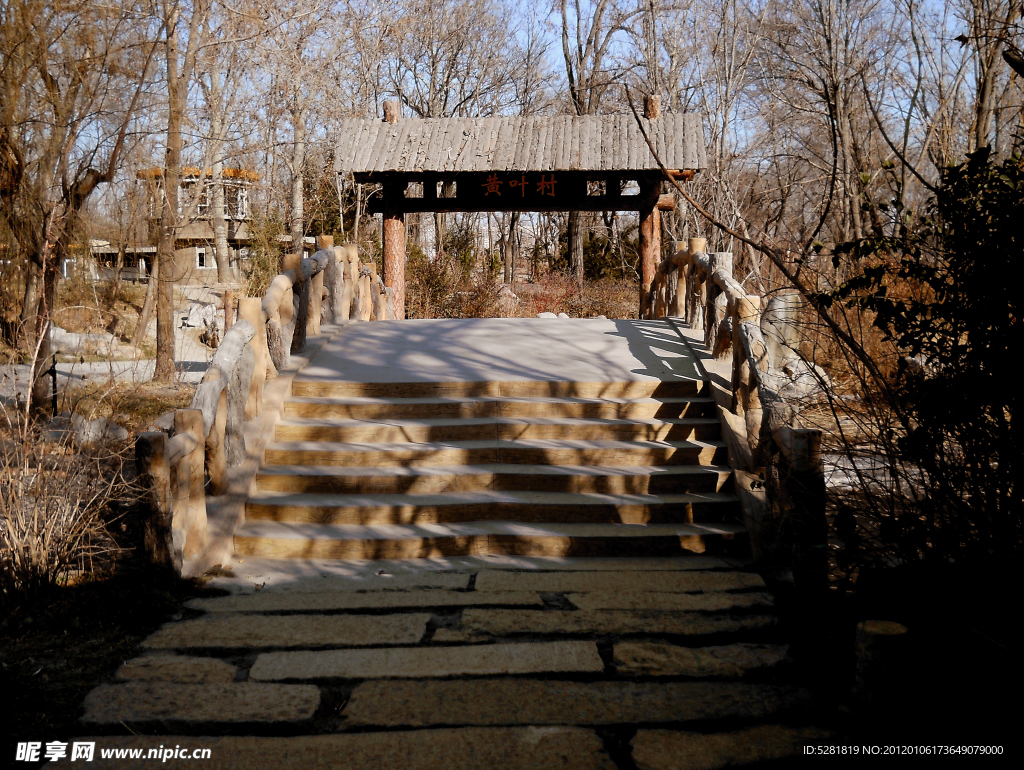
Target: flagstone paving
[467, 663]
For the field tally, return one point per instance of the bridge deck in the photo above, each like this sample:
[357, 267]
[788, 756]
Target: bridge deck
[504, 349]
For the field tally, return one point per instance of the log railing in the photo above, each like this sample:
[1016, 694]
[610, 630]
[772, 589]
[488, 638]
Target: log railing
[189, 459]
[760, 382]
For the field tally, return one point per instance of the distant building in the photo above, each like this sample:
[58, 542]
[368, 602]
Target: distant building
[194, 245]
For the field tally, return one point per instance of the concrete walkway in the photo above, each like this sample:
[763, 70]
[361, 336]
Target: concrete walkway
[506, 350]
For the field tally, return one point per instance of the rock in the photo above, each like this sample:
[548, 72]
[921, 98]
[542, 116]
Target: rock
[97, 431]
[506, 293]
[77, 344]
[165, 701]
[200, 315]
[58, 429]
[546, 315]
[430, 662]
[165, 422]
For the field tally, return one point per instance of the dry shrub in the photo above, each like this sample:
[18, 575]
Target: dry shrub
[57, 506]
[559, 293]
[445, 288]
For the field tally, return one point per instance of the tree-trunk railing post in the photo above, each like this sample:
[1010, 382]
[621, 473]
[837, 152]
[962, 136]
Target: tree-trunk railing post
[757, 339]
[188, 525]
[207, 438]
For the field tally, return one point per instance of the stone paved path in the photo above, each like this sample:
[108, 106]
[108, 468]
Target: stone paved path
[466, 662]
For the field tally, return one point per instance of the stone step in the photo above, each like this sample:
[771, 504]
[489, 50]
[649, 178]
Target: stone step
[284, 540]
[366, 408]
[452, 507]
[525, 451]
[544, 702]
[413, 479]
[304, 385]
[509, 428]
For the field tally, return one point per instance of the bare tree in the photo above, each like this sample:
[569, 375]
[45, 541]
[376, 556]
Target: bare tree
[73, 77]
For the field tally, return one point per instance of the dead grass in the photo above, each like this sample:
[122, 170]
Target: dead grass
[132, 405]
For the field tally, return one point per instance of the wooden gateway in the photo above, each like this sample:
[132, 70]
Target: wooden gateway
[549, 163]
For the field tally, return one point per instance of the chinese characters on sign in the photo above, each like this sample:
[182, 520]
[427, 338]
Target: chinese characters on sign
[545, 186]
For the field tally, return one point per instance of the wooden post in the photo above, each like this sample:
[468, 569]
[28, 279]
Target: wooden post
[391, 112]
[216, 459]
[365, 300]
[394, 247]
[652, 107]
[719, 260]
[229, 308]
[190, 497]
[154, 472]
[316, 301]
[250, 309]
[882, 647]
[650, 242]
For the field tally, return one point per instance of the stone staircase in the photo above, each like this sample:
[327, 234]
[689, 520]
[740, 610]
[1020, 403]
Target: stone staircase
[527, 468]
[505, 573]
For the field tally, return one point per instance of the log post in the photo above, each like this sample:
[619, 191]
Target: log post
[365, 300]
[719, 260]
[650, 242]
[394, 246]
[805, 489]
[695, 288]
[882, 647]
[677, 303]
[316, 303]
[249, 309]
[229, 309]
[391, 112]
[301, 289]
[652, 107]
[350, 289]
[216, 459]
[190, 498]
[154, 473]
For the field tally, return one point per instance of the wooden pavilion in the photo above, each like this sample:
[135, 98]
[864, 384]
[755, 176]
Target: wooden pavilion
[548, 163]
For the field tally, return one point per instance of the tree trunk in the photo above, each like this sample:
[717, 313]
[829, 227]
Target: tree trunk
[168, 268]
[297, 227]
[139, 336]
[508, 248]
[577, 225]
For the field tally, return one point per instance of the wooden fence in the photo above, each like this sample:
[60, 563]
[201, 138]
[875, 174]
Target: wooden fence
[760, 383]
[181, 466]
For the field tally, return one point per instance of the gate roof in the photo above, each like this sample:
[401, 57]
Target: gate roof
[599, 143]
